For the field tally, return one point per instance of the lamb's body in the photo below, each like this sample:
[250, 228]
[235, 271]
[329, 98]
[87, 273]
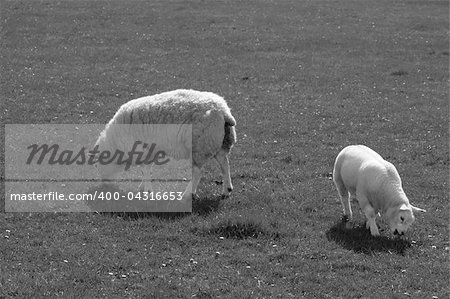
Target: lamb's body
[212, 133]
[361, 173]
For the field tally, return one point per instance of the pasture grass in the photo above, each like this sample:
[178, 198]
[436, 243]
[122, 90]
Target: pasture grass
[304, 79]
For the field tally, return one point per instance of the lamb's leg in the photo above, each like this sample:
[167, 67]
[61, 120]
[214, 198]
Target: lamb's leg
[222, 158]
[371, 224]
[345, 200]
[370, 213]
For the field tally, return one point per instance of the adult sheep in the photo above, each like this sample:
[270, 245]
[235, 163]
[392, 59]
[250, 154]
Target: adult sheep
[361, 173]
[204, 128]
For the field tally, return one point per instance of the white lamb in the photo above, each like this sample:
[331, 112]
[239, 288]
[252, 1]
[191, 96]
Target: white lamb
[361, 173]
[211, 135]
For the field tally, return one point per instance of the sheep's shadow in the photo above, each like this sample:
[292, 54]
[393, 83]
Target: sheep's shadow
[201, 206]
[360, 240]
[205, 205]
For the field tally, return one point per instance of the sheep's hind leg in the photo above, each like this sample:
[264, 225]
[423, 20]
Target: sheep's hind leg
[222, 158]
[191, 189]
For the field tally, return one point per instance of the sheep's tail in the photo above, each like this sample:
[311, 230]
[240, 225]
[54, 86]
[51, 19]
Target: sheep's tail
[230, 133]
[229, 119]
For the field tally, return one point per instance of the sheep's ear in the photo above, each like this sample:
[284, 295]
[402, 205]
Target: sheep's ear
[416, 209]
[92, 157]
[94, 154]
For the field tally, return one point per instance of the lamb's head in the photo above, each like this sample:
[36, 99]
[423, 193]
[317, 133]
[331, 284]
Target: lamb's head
[401, 218]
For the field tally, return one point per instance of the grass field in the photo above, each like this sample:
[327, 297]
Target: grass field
[304, 79]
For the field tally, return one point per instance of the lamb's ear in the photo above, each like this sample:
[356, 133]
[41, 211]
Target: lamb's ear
[404, 207]
[416, 209]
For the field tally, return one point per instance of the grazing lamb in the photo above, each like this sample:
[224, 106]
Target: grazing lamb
[361, 173]
[212, 133]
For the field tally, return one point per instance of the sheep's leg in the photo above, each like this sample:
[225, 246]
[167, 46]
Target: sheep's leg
[146, 184]
[191, 189]
[222, 158]
[108, 172]
[196, 175]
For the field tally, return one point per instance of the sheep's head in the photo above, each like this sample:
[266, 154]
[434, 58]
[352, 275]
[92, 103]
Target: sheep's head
[95, 150]
[105, 170]
[401, 218]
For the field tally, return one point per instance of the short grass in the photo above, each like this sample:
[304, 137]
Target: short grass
[304, 79]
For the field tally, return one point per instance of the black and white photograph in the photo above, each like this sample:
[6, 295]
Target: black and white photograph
[224, 149]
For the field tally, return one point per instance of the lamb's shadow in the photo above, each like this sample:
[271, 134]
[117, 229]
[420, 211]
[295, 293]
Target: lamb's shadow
[201, 206]
[360, 240]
